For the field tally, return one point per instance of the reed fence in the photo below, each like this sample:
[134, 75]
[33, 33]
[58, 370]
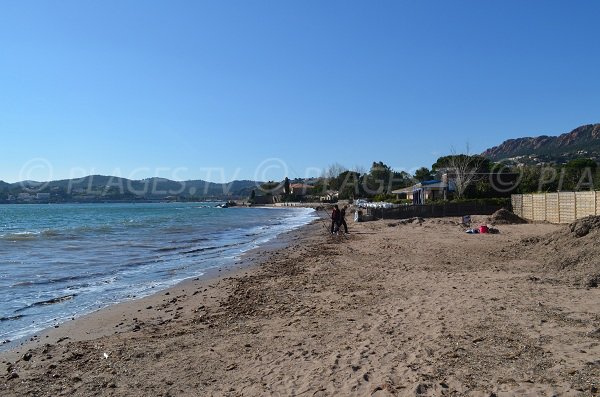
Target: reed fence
[562, 207]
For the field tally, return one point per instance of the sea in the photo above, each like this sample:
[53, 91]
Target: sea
[61, 261]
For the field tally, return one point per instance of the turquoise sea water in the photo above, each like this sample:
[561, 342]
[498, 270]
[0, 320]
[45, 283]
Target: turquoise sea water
[62, 261]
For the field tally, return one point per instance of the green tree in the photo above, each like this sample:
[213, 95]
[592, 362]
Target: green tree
[348, 184]
[463, 170]
[400, 179]
[579, 174]
[286, 186]
[270, 188]
[423, 174]
[597, 179]
[382, 179]
[537, 179]
[320, 187]
[376, 181]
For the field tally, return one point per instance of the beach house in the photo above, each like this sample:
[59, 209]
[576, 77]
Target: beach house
[329, 196]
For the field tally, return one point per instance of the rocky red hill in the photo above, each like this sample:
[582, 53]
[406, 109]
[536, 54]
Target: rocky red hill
[583, 141]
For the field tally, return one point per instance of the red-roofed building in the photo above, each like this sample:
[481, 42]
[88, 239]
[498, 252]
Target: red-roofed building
[300, 189]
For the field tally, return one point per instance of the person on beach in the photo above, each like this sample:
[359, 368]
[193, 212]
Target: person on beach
[343, 219]
[335, 219]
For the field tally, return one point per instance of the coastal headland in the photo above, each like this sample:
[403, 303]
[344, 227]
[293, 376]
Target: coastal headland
[415, 308]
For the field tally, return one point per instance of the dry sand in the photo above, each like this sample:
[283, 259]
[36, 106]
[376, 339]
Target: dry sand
[398, 308]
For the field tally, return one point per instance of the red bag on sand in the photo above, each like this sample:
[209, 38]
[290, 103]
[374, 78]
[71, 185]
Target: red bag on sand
[483, 229]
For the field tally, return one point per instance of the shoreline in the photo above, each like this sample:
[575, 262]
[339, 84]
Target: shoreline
[396, 308]
[76, 329]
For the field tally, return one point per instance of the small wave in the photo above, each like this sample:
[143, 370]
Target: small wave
[77, 287]
[196, 250]
[134, 223]
[167, 249]
[180, 247]
[23, 284]
[20, 236]
[138, 262]
[211, 248]
[52, 301]
[194, 240]
[50, 233]
[55, 280]
[10, 318]
[68, 233]
[95, 228]
[178, 229]
[173, 271]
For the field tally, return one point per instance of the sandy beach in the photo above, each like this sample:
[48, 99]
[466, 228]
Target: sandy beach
[396, 308]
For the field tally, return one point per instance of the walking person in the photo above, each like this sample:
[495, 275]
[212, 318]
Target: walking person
[335, 219]
[343, 219]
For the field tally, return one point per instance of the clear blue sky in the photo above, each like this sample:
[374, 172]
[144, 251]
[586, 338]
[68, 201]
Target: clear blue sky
[214, 90]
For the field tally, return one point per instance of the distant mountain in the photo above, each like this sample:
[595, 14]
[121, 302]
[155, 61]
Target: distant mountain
[583, 141]
[102, 185]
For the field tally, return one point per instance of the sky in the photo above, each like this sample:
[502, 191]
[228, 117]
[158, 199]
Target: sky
[224, 90]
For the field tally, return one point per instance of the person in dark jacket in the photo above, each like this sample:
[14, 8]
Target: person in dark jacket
[343, 219]
[335, 219]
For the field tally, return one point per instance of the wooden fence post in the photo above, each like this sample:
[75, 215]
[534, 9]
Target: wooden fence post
[558, 203]
[546, 206]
